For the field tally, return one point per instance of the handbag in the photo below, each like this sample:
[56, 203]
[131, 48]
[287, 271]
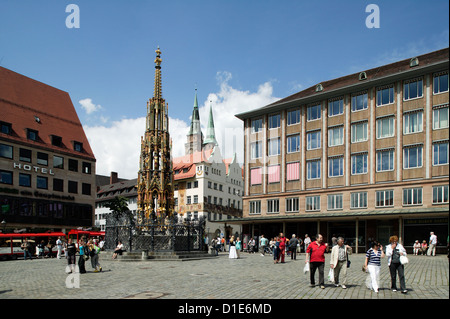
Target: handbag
[306, 268]
[404, 260]
[331, 275]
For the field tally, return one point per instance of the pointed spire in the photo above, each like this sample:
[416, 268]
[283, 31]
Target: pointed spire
[195, 121]
[210, 132]
[157, 91]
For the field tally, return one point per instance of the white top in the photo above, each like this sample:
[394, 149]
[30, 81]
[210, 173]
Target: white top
[433, 239]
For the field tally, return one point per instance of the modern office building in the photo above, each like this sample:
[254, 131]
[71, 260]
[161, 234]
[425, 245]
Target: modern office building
[364, 156]
[47, 167]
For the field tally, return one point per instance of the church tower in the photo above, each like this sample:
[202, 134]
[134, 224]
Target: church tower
[195, 136]
[210, 141]
[155, 176]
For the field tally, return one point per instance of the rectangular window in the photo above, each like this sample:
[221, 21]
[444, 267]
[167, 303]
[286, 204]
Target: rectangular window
[255, 207]
[313, 169]
[292, 205]
[86, 189]
[336, 107]
[274, 147]
[188, 200]
[313, 112]
[256, 126]
[58, 185]
[86, 168]
[32, 134]
[385, 160]
[274, 173]
[6, 151]
[42, 158]
[78, 146]
[42, 182]
[293, 143]
[273, 206]
[293, 171]
[412, 89]
[440, 82]
[313, 140]
[293, 117]
[25, 155]
[384, 198]
[412, 156]
[73, 187]
[359, 132]
[335, 166]
[359, 163]
[188, 185]
[440, 194]
[73, 165]
[358, 200]
[6, 177]
[440, 117]
[412, 196]
[412, 122]
[440, 153]
[256, 150]
[385, 95]
[336, 136]
[312, 203]
[24, 180]
[385, 127]
[5, 128]
[256, 176]
[274, 121]
[196, 199]
[334, 201]
[359, 102]
[56, 140]
[58, 162]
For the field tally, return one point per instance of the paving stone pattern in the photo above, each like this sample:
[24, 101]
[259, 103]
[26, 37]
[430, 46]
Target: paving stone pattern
[251, 277]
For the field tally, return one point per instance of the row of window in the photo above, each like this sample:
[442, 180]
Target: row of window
[211, 200]
[412, 123]
[412, 89]
[33, 135]
[26, 155]
[385, 159]
[383, 198]
[41, 182]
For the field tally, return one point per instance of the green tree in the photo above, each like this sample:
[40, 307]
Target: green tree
[119, 207]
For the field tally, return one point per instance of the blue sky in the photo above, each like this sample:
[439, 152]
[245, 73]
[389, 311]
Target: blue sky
[239, 54]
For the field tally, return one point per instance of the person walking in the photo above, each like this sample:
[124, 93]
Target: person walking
[26, 247]
[59, 245]
[432, 245]
[372, 264]
[282, 248]
[276, 249]
[307, 241]
[238, 247]
[84, 255]
[263, 244]
[293, 247]
[232, 249]
[315, 255]
[94, 252]
[338, 261]
[393, 252]
[251, 246]
[71, 252]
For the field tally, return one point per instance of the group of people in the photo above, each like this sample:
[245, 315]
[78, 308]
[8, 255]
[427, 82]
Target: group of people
[423, 248]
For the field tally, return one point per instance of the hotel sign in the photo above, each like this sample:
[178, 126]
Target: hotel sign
[31, 168]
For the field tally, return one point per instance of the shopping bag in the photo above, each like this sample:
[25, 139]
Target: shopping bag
[404, 260]
[331, 275]
[306, 268]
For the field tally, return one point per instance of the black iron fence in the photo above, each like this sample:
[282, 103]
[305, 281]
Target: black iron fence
[151, 236]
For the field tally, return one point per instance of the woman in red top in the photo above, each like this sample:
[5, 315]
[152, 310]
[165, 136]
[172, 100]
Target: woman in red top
[282, 248]
[315, 255]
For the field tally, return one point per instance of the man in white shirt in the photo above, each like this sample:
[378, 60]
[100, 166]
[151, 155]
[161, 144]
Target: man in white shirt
[307, 241]
[59, 246]
[432, 247]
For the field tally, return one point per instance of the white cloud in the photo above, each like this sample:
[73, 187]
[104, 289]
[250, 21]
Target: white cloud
[88, 106]
[117, 147]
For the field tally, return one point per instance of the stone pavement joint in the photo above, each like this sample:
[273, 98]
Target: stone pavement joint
[251, 277]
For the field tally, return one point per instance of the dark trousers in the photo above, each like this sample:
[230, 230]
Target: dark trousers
[81, 265]
[317, 265]
[394, 268]
[293, 252]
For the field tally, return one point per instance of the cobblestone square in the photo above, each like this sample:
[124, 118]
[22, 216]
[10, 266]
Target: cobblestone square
[250, 277]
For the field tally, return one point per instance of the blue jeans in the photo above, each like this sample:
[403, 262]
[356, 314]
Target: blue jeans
[25, 253]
